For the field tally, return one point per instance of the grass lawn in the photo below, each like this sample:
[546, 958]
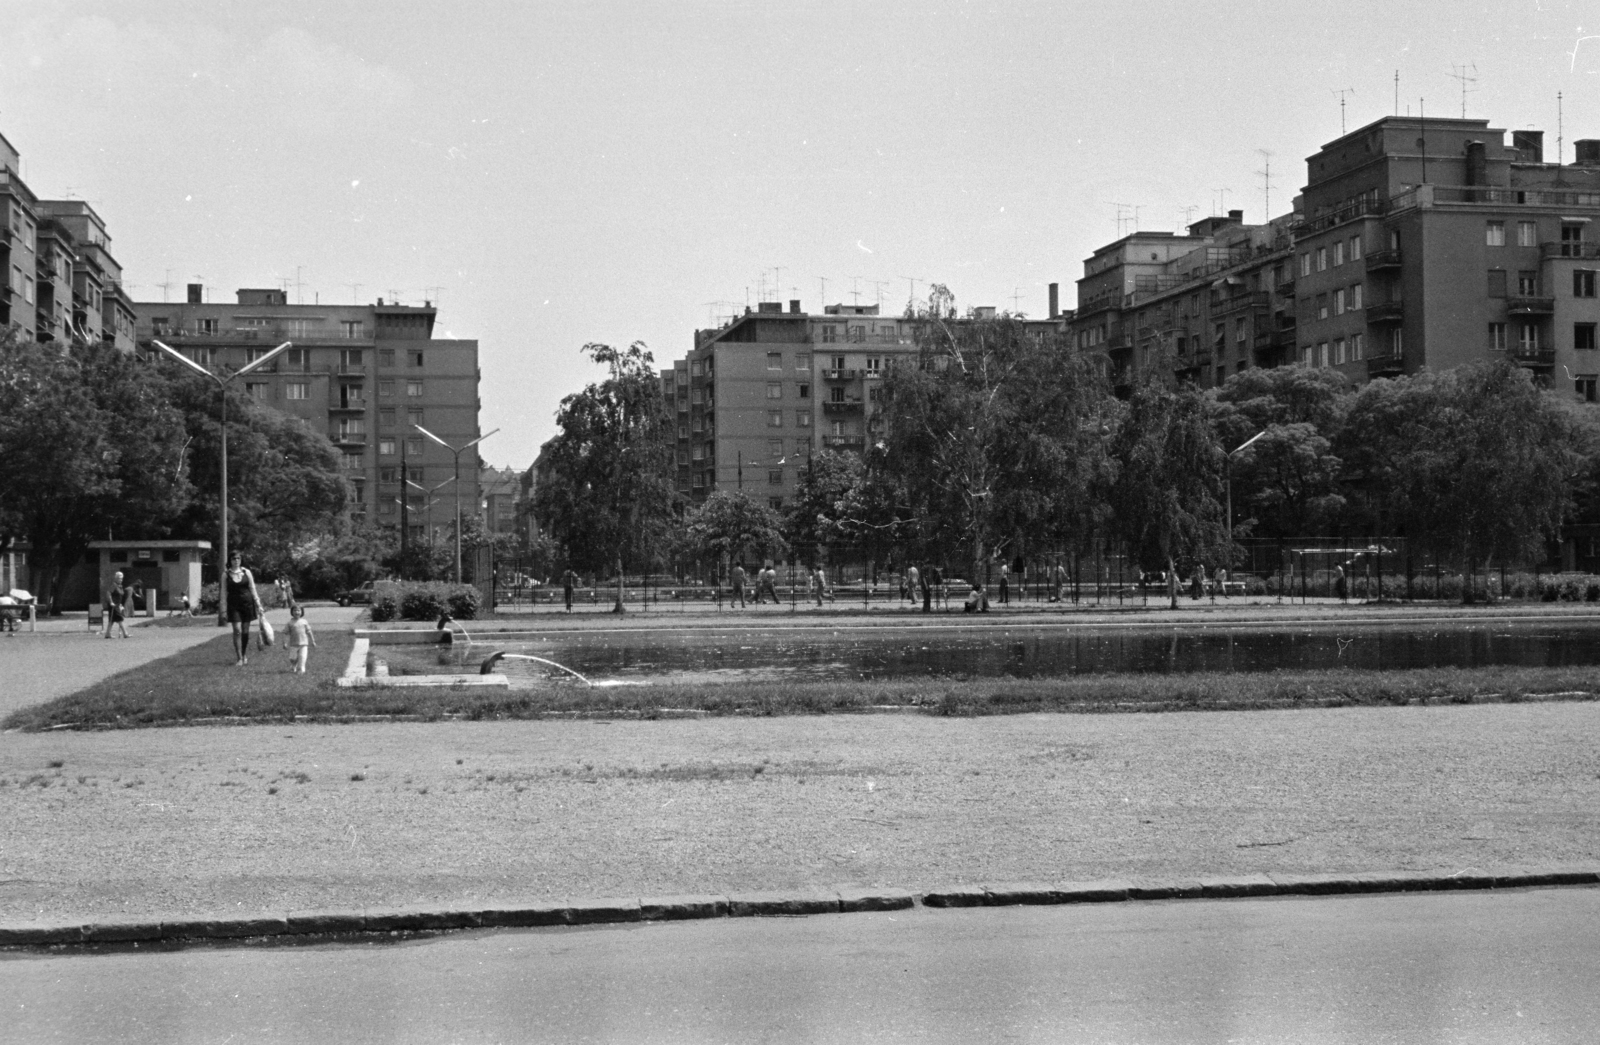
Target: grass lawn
[202, 685]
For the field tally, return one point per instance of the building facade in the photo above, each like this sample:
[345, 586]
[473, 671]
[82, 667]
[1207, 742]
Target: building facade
[1415, 243]
[366, 375]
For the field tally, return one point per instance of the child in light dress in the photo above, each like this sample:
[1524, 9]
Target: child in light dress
[300, 640]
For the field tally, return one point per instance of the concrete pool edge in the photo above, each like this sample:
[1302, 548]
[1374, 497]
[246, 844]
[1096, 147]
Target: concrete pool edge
[767, 903]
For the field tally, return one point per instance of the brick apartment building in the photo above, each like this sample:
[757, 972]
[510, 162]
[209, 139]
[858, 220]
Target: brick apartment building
[364, 374]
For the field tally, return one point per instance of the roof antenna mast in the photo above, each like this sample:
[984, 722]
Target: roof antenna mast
[1341, 92]
[1460, 72]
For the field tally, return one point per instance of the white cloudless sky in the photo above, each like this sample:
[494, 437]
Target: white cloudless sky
[558, 173]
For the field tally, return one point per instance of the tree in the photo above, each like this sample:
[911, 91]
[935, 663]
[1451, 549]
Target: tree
[607, 493]
[90, 448]
[817, 515]
[1479, 462]
[1168, 476]
[731, 524]
[985, 436]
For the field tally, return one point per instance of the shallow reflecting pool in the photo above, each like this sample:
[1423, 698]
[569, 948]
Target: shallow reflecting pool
[1022, 652]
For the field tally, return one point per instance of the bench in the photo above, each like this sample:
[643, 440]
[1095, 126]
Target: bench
[96, 618]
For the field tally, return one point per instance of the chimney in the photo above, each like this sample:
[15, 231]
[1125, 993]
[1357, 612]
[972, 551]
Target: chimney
[794, 305]
[195, 291]
[1055, 300]
[1477, 163]
[1237, 215]
[380, 302]
[1531, 143]
[1586, 152]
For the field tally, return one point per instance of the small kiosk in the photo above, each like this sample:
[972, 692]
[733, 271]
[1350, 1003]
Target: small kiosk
[165, 570]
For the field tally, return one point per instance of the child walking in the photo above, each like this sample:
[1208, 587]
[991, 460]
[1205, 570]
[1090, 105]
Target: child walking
[300, 639]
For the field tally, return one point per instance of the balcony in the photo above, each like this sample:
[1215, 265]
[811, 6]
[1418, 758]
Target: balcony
[838, 375]
[848, 406]
[1286, 289]
[1533, 358]
[1239, 302]
[349, 370]
[344, 438]
[1379, 260]
[1193, 361]
[356, 407]
[1530, 306]
[1385, 366]
[1589, 251]
[1386, 312]
[844, 442]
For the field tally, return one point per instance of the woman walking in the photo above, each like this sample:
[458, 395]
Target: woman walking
[115, 606]
[244, 605]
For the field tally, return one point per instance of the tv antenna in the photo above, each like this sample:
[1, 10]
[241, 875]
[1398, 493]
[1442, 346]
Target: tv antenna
[1188, 214]
[911, 283]
[355, 292]
[433, 294]
[1122, 218]
[1461, 73]
[166, 286]
[823, 280]
[1560, 147]
[1221, 198]
[1341, 92]
[855, 290]
[1266, 183]
[1016, 299]
[299, 287]
[879, 284]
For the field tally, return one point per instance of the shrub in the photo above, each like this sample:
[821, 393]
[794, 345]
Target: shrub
[208, 598]
[424, 600]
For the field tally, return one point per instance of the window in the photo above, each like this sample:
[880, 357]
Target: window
[1355, 248]
[385, 447]
[1495, 236]
[1355, 296]
[1322, 259]
[414, 358]
[1397, 342]
[774, 360]
[802, 360]
[1527, 234]
[1338, 254]
[774, 390]
[413, 417]
[353, 328]
[830, 332]
[388, 474]
[1322, 306]
[351, 396]
[1572, 241]
[699, 452]
[872, 364]
[352, 426]
[1338, 350]
[835, 395]
[1241, 329]
[683, 431]
[386, 417]
[874, 395]
[775, 447]
[774, 418]
[1497, 283]
[802, 419]
[775, 503]
[1497, 337]
[1322, 352]
[683, 458]
[413, 388]
[297, 360]
[386, 506]
[296, 390]
[1528, 338]
[205, 326]
[1583, 336]
[1306, 355]
[1194, 304]
[775, 476]
[699, 480]
[300, 327]
[414, 446]
[259, 390]
[1305, 267]
[1527, 284]
[696, 368]
[350, 358]
[838, 362]
[158, 326]
[1583, 283]
[386, 357]
[805, 392]
[1585, 387]
[1338, 302]
[1357, 348]
[204, 355]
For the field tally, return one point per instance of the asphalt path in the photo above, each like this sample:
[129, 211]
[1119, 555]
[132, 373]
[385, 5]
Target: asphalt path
[1514, 966]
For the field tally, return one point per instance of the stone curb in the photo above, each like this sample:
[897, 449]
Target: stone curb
[767, 904]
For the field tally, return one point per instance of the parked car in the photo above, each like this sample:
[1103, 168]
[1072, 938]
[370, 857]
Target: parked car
[357, 596]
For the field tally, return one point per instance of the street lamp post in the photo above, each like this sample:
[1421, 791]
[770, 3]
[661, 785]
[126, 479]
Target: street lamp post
[456, 451]
[222, 389]
[427, 508]
[1228, 462]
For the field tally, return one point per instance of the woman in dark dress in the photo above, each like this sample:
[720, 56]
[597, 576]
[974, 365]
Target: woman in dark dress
[244, 605]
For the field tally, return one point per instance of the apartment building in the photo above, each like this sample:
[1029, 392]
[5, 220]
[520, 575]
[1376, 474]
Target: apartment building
[364, 374]
[502, 495]
[1198, 306]
[61, 280]
[1415, 243]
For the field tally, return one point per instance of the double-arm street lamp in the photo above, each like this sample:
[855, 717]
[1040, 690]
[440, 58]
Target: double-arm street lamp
[428, 505]
[457, 452]
[222, 389]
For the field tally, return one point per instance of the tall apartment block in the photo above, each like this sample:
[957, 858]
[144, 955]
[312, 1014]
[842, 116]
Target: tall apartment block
[61, 280]
[364, 374]
[756, 396]
[1415, 243]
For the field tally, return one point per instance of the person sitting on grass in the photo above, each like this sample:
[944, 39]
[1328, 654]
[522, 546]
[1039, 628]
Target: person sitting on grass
[301, 639]
[977, 600]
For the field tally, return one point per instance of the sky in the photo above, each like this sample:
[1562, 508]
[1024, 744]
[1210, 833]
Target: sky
[554, 174]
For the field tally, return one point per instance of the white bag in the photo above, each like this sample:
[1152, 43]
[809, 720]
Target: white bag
[266, 632]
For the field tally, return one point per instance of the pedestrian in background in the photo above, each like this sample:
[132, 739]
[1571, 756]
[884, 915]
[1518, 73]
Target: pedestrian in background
[301, 639]
[114, 607]
[738, 587]
[244, 606]
[1005, 584]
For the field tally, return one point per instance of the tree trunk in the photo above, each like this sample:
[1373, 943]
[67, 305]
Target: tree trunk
[1172, 581]
[619, 607]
